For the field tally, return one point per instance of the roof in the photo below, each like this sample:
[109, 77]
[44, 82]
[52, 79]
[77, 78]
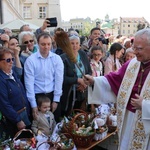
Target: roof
[133, 19]
[16, 24]
[105, 25]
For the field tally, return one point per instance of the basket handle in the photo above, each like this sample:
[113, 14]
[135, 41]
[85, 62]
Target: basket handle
[75, 118]
[78, 110]
[66, 134]
[19, 132]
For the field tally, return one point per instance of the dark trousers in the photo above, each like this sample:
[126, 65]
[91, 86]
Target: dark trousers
[72, 103]
[57, 112]
[7, 129]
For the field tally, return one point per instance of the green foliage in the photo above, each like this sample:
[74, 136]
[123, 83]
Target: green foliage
[140, 26]
[87, 27]
[6, 142]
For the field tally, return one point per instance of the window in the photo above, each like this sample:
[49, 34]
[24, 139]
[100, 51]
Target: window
[27, 11]
[123, 25]
[128, 25]
[128, 31]
[42, 12]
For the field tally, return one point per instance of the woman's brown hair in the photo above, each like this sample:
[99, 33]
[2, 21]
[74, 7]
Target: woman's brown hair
[4, 50]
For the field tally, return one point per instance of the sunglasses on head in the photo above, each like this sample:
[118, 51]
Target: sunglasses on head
[27, 42]
[70, 35]
[8, 60]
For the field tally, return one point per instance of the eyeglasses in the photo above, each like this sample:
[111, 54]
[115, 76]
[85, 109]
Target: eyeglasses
[27, 42]
[137, 48]
[70, 35]
[8, 60]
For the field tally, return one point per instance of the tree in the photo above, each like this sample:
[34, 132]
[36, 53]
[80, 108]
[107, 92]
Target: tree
[87, 28]
[140, 26]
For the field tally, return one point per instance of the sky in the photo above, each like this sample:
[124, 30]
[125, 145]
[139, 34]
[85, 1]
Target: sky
[71, 9]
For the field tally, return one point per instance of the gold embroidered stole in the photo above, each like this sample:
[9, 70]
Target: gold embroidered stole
[138, 139]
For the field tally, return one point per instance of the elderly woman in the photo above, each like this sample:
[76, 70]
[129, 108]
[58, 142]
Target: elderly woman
[73, 93]
[27, 38]
[129, 54]
[14, 105]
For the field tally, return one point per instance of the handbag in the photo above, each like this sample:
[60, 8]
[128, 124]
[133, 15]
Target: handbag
[81, 96]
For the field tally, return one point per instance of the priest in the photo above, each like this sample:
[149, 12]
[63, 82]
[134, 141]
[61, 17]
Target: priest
[130, 89]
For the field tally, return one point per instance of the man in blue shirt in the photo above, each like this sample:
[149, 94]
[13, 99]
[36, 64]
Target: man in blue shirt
[44, 75]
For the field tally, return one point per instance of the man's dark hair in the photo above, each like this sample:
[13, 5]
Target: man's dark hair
[21, 28]
[93, 29]
[13, 37]
[43, 34]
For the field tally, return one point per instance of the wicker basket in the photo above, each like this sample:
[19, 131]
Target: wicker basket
[81, 140]
[66, 126]
[112, 128]
[26, 138]
[101, 133]
[74, 112]
[63, 138]
[57, 145]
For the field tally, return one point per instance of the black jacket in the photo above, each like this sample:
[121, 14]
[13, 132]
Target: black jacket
[70, 76]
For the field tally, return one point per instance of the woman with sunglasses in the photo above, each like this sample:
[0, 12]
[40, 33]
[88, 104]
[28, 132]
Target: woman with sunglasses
[27, 38]
[14, 105]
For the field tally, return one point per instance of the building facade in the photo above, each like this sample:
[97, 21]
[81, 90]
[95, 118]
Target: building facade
[128, 26]
[10, 10]
[36, 11]
[32, 11]
[77, 23]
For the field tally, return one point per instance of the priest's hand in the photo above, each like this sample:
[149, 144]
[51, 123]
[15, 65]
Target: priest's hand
[88, 80]
[137, 102]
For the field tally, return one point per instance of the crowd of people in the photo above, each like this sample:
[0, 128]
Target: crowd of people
[42, 80]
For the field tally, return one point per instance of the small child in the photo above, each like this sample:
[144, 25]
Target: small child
[45, 122]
